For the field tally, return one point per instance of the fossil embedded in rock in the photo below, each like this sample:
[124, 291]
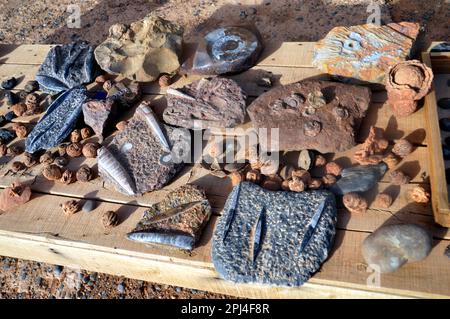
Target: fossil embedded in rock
[206, 103]
[142, 50]
[225, 50]
[312, 128]
[406, 83]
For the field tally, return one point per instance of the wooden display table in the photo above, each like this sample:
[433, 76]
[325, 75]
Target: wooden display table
[39, 230]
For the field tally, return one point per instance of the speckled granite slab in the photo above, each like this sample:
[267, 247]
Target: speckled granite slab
[67, 66]
[287, 215]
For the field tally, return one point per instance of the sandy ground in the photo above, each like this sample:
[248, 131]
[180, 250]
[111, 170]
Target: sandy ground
[45, 21]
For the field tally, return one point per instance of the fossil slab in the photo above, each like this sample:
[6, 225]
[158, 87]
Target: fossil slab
[142, 50]
[225, 50]
[314, 115]
[176, 221]
[365, 52]
[67, 66]
[391, 246]
[58, 122]
[206, 103]
[262, 242]
[138, 159]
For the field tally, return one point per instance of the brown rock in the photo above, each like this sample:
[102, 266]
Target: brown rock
[333, 168]
[383, 201]
[46, 158]
[52, 172]
[355, 203]
[315, 183]
[19, 109]
[75, 136]
[100, 79]
[85, 133]
[272, 182]
[391, 160]
[372, 150]
[15, 195]
[206, 103]
[20, 129]
[62, 149]
[419, 195]
[30, 160]
[143, 50]
[107, 85]
[67, 177]
[297, 184]
[32, 104]
[70, 207]
[110, 219]
[90, 150]
[285, 185]
[17, 167]
[302, 174]
[84, 174]
[407, 82]
[399, 178]
[329, 180]
[3, 149]
[304, 122]
[365, 52]
[74, 149]
[402, 148]
[253, 176]
[286, 172]
[15, 150]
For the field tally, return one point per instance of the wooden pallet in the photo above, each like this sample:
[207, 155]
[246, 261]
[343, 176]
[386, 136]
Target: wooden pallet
[39, 231]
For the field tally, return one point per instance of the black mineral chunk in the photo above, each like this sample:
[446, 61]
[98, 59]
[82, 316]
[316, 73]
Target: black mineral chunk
[10, 116]
[11, 98]
[3, 120]
[67, 66]
[31, 86]
[9, 84]
[6, 136]
[22, 95]
[447, 140]
[446, 151]
[447, 175]
[444, 124]
[59, 120]
[444, 103]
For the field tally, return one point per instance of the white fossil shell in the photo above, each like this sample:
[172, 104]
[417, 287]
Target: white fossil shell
[145, 111]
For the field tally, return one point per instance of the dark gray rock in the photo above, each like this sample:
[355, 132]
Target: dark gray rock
[391, 246]
[359, 178]
[58, 122]
[444, 124]
[10, 116]
[206, 103]
[11, 98]
[225, 50]
[444, 103]
[31, 86]
[6, 136]
[89, 205]
[283, 228]
[67, 66]
[9, 84]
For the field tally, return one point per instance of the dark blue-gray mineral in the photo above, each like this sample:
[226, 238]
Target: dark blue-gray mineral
[260, 240]
[59, 120]
[359, 178]
[6, 136]
[67, 66]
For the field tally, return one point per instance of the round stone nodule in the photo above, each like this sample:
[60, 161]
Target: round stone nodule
[444, 103]
[444, 124]
[390, 247]
[446, 152]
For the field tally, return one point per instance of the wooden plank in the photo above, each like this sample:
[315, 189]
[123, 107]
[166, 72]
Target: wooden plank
[39, 230]
[33, 54]
[439, 189]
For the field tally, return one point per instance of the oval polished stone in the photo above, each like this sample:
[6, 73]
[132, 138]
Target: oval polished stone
[446, 152]
[444, 124]
[444, 103]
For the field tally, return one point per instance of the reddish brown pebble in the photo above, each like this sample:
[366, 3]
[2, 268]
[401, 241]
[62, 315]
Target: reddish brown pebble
[402, 148]
[15, 195]
[17, 167]
[20, 129]
[333, 168]
[85, 133]
[355, 203]
[15, 150]
[3, 149]
[302, 174]
[110, 219]
[52, 172]
[84, 174]
[297, 184]
[46, 158]
[67, 177]
[285, 185]
[272, 182]
[164, 80]
[236, 178]
[329, 179]
[70, 207]
[391, 160]
[74, 149]
[419, 195]
[30, 160]
[90, 150]
[399, 178]
[253, 176]
[75, 136]
[315, 183]
[121, 125]
[383, 201]
[19, 109]
[320, 161]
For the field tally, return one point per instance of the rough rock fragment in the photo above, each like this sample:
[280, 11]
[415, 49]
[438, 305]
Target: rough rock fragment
[365, 52]
[206, 103]
[225, 50]
[257, 246]
[66, 67]
[177, 221]
[407, 82]
[419, 195]
[402, 148]
[126, 94]
[308, 124]
[355, 203]
[143, 50]
[15, 195]
[57, 123]
[372, 150]
[359, 178]
[391, 246]
[99, 114]
[110, 219]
